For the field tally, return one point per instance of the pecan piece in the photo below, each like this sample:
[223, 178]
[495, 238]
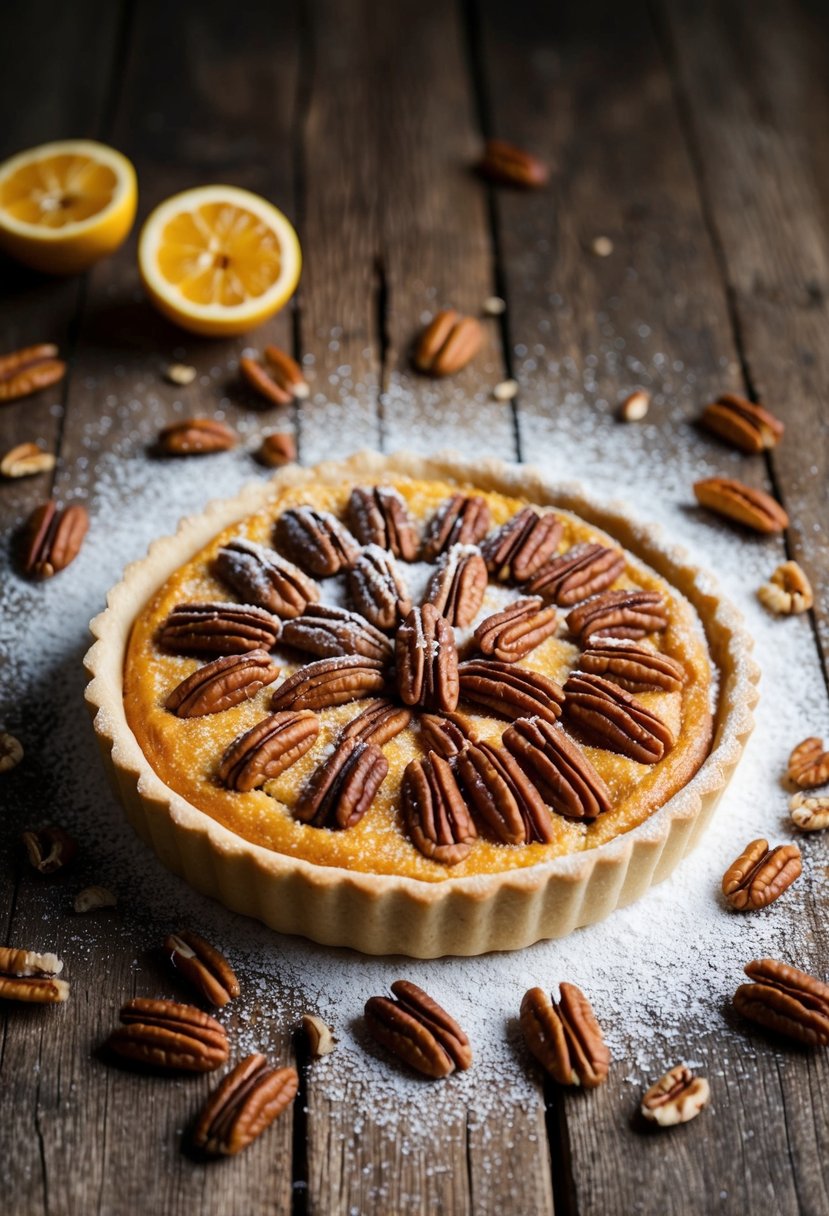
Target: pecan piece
[565, 1036]
[458, 585]
[635, 406]
[378, 723]
[503, 795]
[11, 752]
[448, 343]
[809, 814]
[376, 587]
[328, 632]
[461, 520]
[504, 164]
[260, 576]
[221, 684]
[618, 614]
[785, 1000]
[446, 734]
[732, 499]
[168, 1036]
[30, 977]
[747, 426]
[632, 667]
[278, 379]
[418, 1030]
[427, 661]
[788, 591]
[25, 460]
[318, 1035]
[435, 811]
[91, 899]
[677, 1097]
[342, 788]
[378, 515]
[248, 1100]
[205, 967]
[510, 691]
[510, 635]
[808, 764]
[219, 629]
[268, 749]
[316, 541]
[53, 538]
[28, 963]
[760, 875]
[277, 449]
[520, 547]
[577, 574]
[27, 371]
[330, 682]
[49, 849]
[196, 437]
[560, 770]
[612, 718]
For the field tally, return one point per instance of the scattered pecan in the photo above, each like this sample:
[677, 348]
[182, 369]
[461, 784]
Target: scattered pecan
[196, 437]
[788, 591]
[760, 875]
[635, 406]
[520, 547]
[446, 734]
[460, 520]
[260, 576]
[510, 635]
[27, 371]
[49, 849]
[435, 811]
[577, 574]
[510, 691]
[19, 962]
[785, 1000]
[732, 499]
[560, 770]
[168, 1036]
[677, 1097]
[318, 1035]
[458, 585]
[632, 667]
[506, 165]
[612, 718]
[203, 966]
[808, 764]
[268, 749]
[25, 460]
[30, 977]
[327, 632]
[316, 541]
[330, 682]
[376, 587]
[503, 795]
[809, 814]
[278, 378]
[219, 629]
[90, 899]
[418, 1030]
[565, 1036]
[618, 614]
[248, 1100]
[427, 660]
[221, 684]
[180, 374]
[52, 539]
[448, 343]
[747, 426]
[378, 723]
[277, 449]
[378, 515]
[342, 787]
[11, 752]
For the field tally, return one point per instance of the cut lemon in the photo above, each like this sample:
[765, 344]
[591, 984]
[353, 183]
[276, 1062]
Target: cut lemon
[218, 260]
[65, 205]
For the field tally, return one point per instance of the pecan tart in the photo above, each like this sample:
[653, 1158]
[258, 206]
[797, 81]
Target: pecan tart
[419, 706]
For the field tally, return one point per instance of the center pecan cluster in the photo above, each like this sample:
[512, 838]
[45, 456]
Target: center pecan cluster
[402, 659]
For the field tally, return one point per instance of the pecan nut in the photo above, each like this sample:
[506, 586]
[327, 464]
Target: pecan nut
[378, 515]
[219, 629]
[53, 538]
[560, 770]
[448, 343]
[808, 764]
[205, 967]
[11, 752]
[785, 1000]
[318, 1035]
[91, 899]
[788, 591]
[612, 718]
[377, 589]
[510, 635]
[632, 667]
[418, 1030]
[329, 632]
[28, 963]
[31, 977]
[733, 500]
[619, 614]
[49, 849]
[278, 378]
[260, 576]
[427, 661]
[446, 734]
[504, 164]
[25, 460]
[747, 426]
[523, 545]
[196, 437]
[27, 371]
[458, 585]
[342, 788]
[316, 541]
[809, 814]
[460, 520]
[169, 1037]
[582, 571]
[436, 814]
[565, 1036]
[677, 1097]
[760, 875]
[248, 1100]
[330, 682]
[219, 685]
[277, 449]
[510, 691]
[378, 723]
[503, 795]
[268, 749]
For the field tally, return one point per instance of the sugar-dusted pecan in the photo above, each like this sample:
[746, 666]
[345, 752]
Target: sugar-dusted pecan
[760, 875]
[511, 634]
[376, 587]
[510, 691]
[507, 165]
[503, 795]
[27, 371]
[560, 770]
[219, 629]
[330, 682]
[11, 751]
[342, 787]
[315, 540]
[28, 963]
[677, 1097]
[203, 966]
[278, 378]
[747, 426]
[461, 520]
[52, 539]
[25, 460]
[248, 1100]
[610, 717]
[618, 614]
[632, 667]
[808, 764]
[810, 814]
[446, 734]
[261, 576]
[448, 343]
[788, 591]
[523, 545]
[268, 749]
[328, 631]
[378, 515]
[427, 661]
[582, 571]
[786, 1000]
[196, 437]
[378, 723]
[418, 1030]
[278, 448]
[458, 584]
[732, 499]
[436, 814]
[31, 977]
[49, 850]
[221, 684]
[168, 1036]
[565, 1036]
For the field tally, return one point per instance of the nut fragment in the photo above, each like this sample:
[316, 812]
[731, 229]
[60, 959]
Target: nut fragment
[416, 1029]
[565, 1036]
[602, 246]
[677, 1097]
[27, 371]
[25, 460]
[504, 164]
[319, 1035]
[243, 1106]
[448, 343]
[30, 977]
[785, 1000]
[180, 374]
[788, 591]
[205, 967]
[11, 752]
[742, 423]
[169, 1037]
[92, 898]
[219, 685]
[14, 961]
[49, 849]
[277, 448]
[506, 390]
[808, 764]
[635, 406]
[53, 539]
[732, 499]
[278, 379]
[195, 437]
[760, 875]
[810, 814]
[494, 306]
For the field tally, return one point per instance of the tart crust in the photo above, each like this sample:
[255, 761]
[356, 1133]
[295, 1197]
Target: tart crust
[384, 913]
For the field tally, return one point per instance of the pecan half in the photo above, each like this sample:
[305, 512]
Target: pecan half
[808, 764]
[785, 1000]
[17, 962]
[618, 614]
[460, 520]
[732, 499]
[448, 343]
[747, 426]
[520, 547]
[510, 691]
[612, 718]
[52, 539]
[458, 585]
[760, 875]
[342, 788]
[278, 378]
[503, 795]
[632, 667]
[205, 967]
[446, 734]
[221, 684]
[378, 515]
[560, 770]
[196, 437]
[677, 1097]
[376, 587]
[25, 460]
[427, 660]
[565, 1036]
[378, 723]
[30, 977]
[168, 1036]
[248, 1100]
[510, 635]
[327, 631]
[418, 1030]
[788, 591]
[268, 749]
[27, 371]
[809, 814]
[219, 629]
[435, 811]
[316, 541]
[330, 682]
[277, 449]
[261, 576]
[49, 849]
[506, 165]
[577, 574]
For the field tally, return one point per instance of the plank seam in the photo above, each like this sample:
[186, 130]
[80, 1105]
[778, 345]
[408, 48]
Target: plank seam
[302, 108]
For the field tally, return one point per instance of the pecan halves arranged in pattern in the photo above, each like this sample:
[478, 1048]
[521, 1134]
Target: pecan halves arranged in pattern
[203, 966]
[378, 515]
[504, 164]
[278, 378]
[330, 682]
[510, 691]
[342, 787]
[560, 770]
[808, 764]
[732, 499]
[511, 634]
[618, 614]
[458, 584]
[460, 520]
[196, 437]
[582, 571]
[565, 1036]
[52, 539]
[221, 684]
[632, 667]
[760, 875]
[328, 632]
[785, 1000]
[168, 1036]
[219, 629]
[30, 977]
[446, 734]
[677, 1097]
[315, 540]
[50, 849]
[376, 587]
[523, 545]
[436, 814]
[418, 1030]
[268, 749]
[503, 795]
[427, 661]
[248, 1100]
[27, 371]
[260, 576]
[747, 426]
[610, 717]
[378, 723]
[448, 343]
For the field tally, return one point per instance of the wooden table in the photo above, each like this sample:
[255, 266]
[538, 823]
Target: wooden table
[694, 134]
